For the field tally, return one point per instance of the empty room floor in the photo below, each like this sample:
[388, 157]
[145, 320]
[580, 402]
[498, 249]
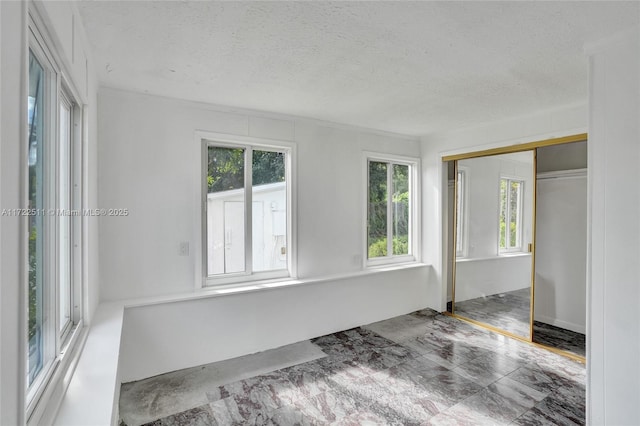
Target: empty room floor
[510, 311]
[420, 368]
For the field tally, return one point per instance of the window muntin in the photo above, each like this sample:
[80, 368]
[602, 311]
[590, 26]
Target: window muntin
[390, 210]
[510, 223]
[246, 243]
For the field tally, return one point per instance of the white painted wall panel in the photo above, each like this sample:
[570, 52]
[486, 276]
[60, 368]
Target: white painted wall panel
[561, 252]
[484, 277]
[269, 128]
[13, 39]
[613, 275]
[150, 164]
[60, 17]
[228, 326]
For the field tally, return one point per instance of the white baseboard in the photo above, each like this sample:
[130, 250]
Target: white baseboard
[562, 324]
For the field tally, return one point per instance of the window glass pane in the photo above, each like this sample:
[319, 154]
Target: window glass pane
[64, 203]
[36, 294]
[377, 210]
[225, 210]
[503, 213]
[269, 211]
[514, 214]
[400, 209]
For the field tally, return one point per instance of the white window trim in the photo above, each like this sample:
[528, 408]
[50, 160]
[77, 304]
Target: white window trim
[521, 248]
[42, 396]
[415, 242]
[204, 139]
[463, 218]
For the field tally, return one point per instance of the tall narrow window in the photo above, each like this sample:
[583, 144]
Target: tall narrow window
[40, 345]
[510, 228]
[246, 242]
[390, 210]
[53, 310]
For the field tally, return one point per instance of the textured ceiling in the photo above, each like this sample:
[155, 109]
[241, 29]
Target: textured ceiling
[407, 67]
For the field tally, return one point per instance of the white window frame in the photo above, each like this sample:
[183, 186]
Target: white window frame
[61, 341]
[462, 216]
[414, 210]
[207, 139]
[520, 218]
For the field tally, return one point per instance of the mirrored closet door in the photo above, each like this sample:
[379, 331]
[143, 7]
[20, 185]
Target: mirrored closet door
[493, 237]
[561, 247]
[517, 241]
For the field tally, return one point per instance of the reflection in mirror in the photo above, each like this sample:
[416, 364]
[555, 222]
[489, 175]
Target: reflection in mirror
[494, 199]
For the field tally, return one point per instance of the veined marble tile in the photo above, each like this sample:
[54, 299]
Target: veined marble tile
[521, 394]
[199, 416]
[535, 378]
[551, 412]
[452, 355]
[435, 370]
[400, 328]
[361, 418]
[487, 404]
[275, 382]
[310, 379]
[161, 396]
[449, 387]
[487, 369]
[327, 407]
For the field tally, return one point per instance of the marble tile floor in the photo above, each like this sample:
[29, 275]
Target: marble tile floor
[510, 311]
[556, 337]
[160, 396]
[507, 311]
[422, 368]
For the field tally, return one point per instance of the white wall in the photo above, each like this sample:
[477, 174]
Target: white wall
[59, 18]
[233, 325]
[561, 253]
[12, 247]
[494, 275]
[150, 164]
[613, 277]
[558, 122]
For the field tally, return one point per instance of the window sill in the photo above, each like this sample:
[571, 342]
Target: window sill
[514, 254]
[385, 262]
[43, 410]
[497, 257]
[223, 281]
[266, 285]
